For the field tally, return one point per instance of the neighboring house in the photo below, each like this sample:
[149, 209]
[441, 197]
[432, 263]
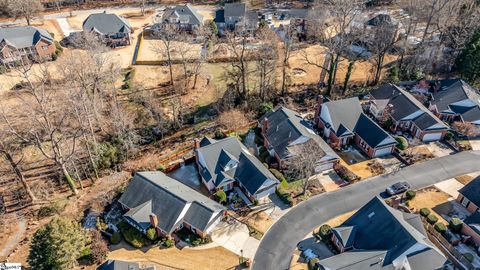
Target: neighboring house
[113, 30]
[236, 17]
[153, 199]
[283, 129]
[471, 226]
[343, 122]
[20, 42]
[183, 17]
[406, 112]
[228, 165]
[469, 196]
[122, 265]
[455, 100]
[380, 237]
[298, 18]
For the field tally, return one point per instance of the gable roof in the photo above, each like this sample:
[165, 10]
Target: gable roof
[471, 191]
[106, 23]
[23, 36]
[384, 236]
[235, 10]
[249, 171]
[287, 126]
[356, 122]
[185, 12]
[405, 107]
[169, 199]
[474, 222]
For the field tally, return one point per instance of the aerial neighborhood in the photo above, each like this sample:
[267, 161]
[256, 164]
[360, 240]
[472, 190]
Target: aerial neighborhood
[240, 134]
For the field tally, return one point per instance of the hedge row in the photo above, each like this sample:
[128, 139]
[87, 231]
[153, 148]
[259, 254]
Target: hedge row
[131, 235]
[284, 196]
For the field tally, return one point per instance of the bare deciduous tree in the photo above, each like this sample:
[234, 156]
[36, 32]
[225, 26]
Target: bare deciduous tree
[166, 35]
[233, 120]
[465, 128]
[237, 48]
[302, 165]
[27, 9]
[266, 61]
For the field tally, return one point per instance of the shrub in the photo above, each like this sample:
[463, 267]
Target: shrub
[3, 69]
[440, 227]
[270, 160]
[55, 56]
[325, 232]
[264, 108]
[277, 174]
[432, 219]
[455, 224]
[312, 264]
[266, 165]
[264, 155]
[221, 196]
[99, 248]
[161, 168]
[132, 235]
[468, 256]
[58, 47]
[219, 134]
[262, 149]
[167, 243]
[424, 212]
[115, 238]
[284, 183]
[284, 196]
[410, 194]
[402, 143]
[152, 234]
[101, 225]
[52, 209]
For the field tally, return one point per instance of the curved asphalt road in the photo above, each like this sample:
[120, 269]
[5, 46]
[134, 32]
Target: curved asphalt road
[277, 245]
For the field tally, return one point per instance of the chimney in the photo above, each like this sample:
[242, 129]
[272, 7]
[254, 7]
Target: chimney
[265, 125]
[153, 220]
[318, 110]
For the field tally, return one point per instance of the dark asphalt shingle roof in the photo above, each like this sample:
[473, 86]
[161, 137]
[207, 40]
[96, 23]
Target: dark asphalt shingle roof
[405, 107]
[106, 23]
[382, 235]
[287, 126]
[474, 222]
[471, 191]
[235, 9]
[119, 265]
[219, 16]
[348, 118]
[249, 171]
[185, 12]
[23, 36]
[156, 193]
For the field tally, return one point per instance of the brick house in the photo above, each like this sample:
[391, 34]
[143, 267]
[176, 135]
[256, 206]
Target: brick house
[283, 128]
[236, 17]
[380, 237]
[113, 30]
[228, 165]
[153, 199]
[182, 17]
[471, 227]
[469, 196]
[455, 100]
[343, 123]
[25, 42]
[406, 113]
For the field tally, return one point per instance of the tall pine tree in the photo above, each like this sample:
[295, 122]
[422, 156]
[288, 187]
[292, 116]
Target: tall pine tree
[468, 62]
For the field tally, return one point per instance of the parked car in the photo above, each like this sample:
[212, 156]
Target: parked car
[397, 188]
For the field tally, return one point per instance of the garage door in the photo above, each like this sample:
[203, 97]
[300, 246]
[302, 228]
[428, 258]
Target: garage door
[383, 151]
[432, 137]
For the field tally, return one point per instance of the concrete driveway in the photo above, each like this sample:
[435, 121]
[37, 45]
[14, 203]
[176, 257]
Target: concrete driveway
[278, 244]
[235, 237]
[450, 186]
[475, 143]
[439, 150]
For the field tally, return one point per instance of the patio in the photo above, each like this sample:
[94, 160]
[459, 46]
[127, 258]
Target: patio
[352, 155]
[188, 174]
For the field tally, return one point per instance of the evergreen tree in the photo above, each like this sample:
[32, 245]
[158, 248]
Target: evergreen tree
[468, 62]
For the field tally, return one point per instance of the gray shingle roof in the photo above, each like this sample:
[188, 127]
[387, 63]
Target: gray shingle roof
[474, 222]
[118, 265]
[471, 191]
[286, 126]
[155, 192]
[106, 23]
[235, 9]
[384, 235]
[348, 118]
[23, 36]
[404, 105]
[249, 171]
[185, 12]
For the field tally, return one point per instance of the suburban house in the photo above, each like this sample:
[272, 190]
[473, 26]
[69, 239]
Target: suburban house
[343, 122]
[122, 265]
[228, 165]
[455, 100]
[471, 227]
[469, 196]
[113, 30]
[380, 237]
[20, 42]
[406, 113]
[284, 129]
[153, 199]
[183, 17]
[236, 17]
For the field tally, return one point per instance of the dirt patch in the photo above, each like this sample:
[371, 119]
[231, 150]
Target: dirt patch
[173, 258]
[430, 198]
[298, 72]
[298, 263]
[464, 179]
[260, 221]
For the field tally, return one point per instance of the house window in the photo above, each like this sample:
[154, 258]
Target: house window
[45, 47]
[465, 202]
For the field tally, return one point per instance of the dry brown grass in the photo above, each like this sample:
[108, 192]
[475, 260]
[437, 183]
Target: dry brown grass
[464, 179]
[361, 169]
[297, 263]
[261, 221]
[337, 221]
[430, 198]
